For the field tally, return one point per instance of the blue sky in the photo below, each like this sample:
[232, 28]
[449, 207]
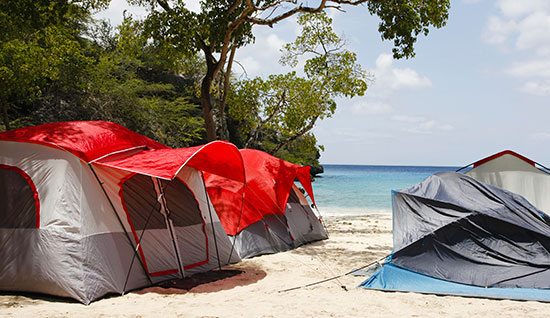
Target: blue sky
[477, 86]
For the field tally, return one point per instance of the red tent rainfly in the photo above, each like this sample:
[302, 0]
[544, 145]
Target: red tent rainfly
[269, 181]
[112, 145]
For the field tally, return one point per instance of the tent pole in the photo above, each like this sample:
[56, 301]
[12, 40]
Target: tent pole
[238, 225]
[321, 220]
[135, 248]
[211, 221]
[170, 226]
[139, 240]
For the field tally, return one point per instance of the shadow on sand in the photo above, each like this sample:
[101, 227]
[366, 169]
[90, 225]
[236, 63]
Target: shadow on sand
[212, 281]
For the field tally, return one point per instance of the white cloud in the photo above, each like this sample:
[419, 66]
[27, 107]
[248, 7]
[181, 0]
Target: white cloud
[498, 30]
[384, 61]
[540, 88]
[251, 65]
[407, 77]
[115, 12]
[518, 8]
[389, 78]
[524, 23]
[274, 42]
[193, 5]
[372, 108]
[261, 58]
[532, 68]
[446, 127]
[524, 26]
[408, 119]
[533, 32]
[266, 49]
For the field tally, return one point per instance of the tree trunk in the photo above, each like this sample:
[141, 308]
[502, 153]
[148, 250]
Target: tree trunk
[206, 103]
[5, 113]
[226, 87]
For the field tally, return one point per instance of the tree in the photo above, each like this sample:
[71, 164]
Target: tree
[223, 26]
[290, 104]
[39, 44]
[60, 65]
[131, 85]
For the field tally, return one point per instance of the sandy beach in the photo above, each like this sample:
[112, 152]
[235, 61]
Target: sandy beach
[253, 287]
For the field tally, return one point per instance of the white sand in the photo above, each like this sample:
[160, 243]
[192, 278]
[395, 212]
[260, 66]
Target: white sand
[354, 241]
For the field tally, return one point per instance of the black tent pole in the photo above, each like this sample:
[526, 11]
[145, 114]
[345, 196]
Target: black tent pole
[139, 240]
[238, 225]
[170, 225]
[135, 248]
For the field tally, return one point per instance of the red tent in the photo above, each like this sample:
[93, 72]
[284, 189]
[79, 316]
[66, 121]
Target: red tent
[269, 181]
[89, 208]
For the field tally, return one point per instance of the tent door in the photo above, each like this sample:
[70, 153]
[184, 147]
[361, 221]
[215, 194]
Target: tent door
[188, 224]
[169, 226]
[144, 207]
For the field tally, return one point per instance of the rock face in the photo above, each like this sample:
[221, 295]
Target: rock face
[315, 170]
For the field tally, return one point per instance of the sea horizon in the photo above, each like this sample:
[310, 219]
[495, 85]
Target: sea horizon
[390, 165]
[353, 189]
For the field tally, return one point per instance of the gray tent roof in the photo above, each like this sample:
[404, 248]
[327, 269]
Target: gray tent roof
[453, 227]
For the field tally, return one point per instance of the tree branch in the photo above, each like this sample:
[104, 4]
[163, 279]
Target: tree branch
[261, 124]
[164, 4]
[295, 136]
[299, 9]
[284, 15]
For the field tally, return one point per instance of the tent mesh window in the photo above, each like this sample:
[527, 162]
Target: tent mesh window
[140, 198]
[182, 204]
[18, 199]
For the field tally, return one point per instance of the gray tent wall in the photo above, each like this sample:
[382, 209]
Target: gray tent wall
[305, 226]
[77, 246]
[457, 229]
[277, 233]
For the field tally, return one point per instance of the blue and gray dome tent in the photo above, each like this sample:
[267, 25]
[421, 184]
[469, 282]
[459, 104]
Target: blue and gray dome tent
[455, 235]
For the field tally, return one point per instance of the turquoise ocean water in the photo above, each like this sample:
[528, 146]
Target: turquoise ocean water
[354, 189]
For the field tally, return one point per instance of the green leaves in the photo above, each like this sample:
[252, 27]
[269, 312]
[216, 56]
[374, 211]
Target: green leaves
[333, 68]
[37, 53]
[403, 20]
[188, 31]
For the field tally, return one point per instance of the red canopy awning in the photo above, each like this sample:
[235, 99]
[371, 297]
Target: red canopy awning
[268, 179]
[88, 140]
[217, 157]
[112, 145]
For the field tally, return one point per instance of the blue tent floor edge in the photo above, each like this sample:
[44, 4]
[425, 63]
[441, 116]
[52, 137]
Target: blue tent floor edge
[394, 278]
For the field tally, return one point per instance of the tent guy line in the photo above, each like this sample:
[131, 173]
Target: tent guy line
[336, 277]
